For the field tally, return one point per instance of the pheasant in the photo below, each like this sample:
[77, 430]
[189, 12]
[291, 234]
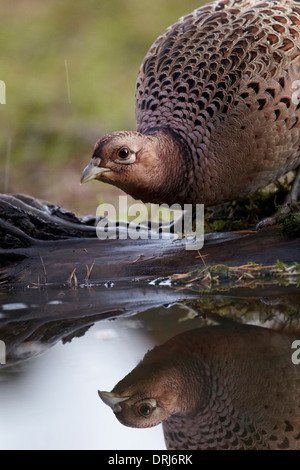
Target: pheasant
[217, 108]
[218, 387]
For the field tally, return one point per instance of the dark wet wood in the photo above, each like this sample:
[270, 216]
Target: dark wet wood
[44, 244]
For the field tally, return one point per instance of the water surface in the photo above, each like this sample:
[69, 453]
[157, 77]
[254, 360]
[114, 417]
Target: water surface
[64, 344]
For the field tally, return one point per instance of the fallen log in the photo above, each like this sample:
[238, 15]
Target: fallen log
[44, 244]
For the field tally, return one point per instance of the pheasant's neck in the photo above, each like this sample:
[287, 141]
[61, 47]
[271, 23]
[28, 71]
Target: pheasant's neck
[172, 173]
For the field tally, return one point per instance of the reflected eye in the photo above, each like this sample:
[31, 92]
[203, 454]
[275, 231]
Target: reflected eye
[145, 409]
[123, 153]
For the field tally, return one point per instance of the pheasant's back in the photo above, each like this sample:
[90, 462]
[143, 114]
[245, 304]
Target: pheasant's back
[254, 393]
[226, 79]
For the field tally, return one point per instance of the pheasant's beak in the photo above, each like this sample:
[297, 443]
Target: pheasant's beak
[92, 172]
[112, 400]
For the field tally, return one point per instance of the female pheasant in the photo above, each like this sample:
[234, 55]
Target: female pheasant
[225, 387]
[217, 108]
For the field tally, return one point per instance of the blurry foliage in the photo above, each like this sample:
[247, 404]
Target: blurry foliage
[104, 44]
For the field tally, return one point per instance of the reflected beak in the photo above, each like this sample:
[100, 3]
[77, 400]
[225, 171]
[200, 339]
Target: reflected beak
[92, 172]
[112, 400]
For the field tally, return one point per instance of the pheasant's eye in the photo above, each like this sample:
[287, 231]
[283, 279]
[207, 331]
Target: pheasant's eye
[145, 409]
[125, 156]
[123, 152]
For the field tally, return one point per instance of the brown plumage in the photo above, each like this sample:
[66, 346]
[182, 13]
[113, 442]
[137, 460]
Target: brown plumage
[217, 107]
[217, 387]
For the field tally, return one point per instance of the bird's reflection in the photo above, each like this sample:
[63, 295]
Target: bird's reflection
[229, 386]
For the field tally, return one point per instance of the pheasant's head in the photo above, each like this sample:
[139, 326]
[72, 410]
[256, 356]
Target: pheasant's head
[148, 167]
[143, 400]
[157, 388]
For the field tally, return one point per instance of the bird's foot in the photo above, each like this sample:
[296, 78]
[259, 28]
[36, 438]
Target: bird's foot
[290, 205]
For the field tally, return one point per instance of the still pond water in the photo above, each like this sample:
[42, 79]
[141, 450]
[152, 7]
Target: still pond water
[62, 345]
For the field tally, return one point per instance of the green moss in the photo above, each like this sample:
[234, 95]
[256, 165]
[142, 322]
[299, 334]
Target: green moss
[228, 225]
[291, 225]
[214, 309]
[225, 277]
[281, 265]
[221, 271]
[247, 212]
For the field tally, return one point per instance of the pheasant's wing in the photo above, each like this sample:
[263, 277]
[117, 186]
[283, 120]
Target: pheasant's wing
[195, 69]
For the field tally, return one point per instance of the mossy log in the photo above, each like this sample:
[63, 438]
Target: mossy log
[44, 244]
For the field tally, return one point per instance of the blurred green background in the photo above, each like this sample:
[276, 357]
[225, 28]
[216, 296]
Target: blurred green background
[46, 139]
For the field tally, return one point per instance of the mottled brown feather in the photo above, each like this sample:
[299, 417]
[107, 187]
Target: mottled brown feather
[227, 387]
[217, 107]
[222, 77]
